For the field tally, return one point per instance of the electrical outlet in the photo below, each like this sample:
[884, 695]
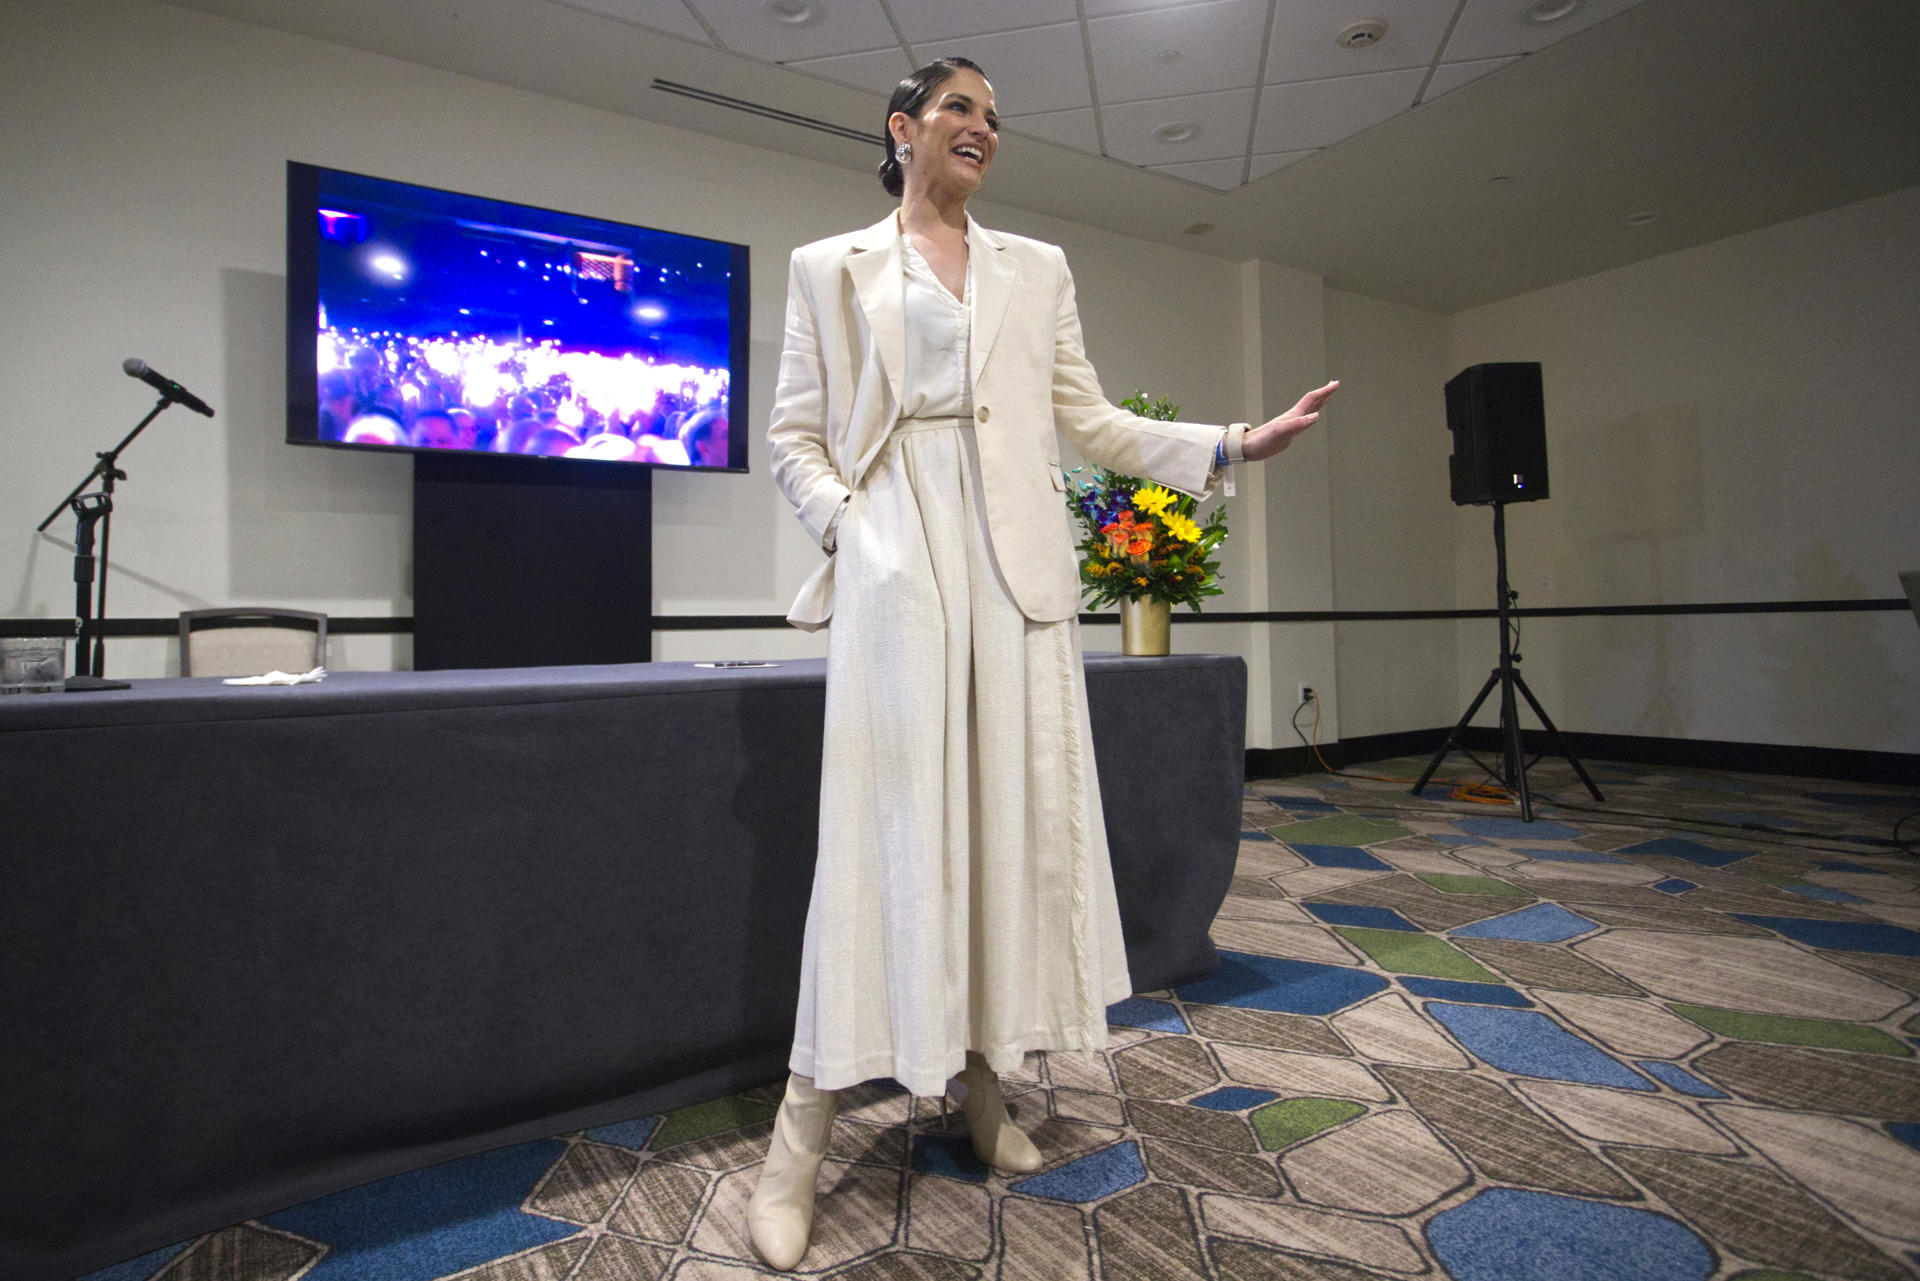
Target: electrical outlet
[1306, 694]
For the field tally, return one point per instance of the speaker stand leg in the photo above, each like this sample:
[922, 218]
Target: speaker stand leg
[1513, 758]
[1453, 735]
[1558, 738]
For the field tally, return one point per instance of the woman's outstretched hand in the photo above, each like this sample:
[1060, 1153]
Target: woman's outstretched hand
[1276, 434]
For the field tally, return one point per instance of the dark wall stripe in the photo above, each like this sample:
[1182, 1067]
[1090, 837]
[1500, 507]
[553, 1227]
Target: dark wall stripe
[400, 624]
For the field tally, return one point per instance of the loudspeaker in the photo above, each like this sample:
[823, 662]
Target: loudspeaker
[1497, 414]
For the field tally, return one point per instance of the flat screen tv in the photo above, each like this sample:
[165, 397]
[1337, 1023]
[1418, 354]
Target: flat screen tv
[421, 319]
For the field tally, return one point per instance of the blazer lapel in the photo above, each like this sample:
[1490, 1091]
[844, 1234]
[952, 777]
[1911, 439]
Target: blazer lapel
[874, 263]
[993, 281]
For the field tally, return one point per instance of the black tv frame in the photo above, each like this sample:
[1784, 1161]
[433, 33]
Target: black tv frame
[303, 302]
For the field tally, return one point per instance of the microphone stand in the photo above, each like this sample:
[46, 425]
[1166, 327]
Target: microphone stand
[90, 649]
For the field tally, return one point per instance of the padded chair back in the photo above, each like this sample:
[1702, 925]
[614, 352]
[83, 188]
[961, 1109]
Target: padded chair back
[251, 642]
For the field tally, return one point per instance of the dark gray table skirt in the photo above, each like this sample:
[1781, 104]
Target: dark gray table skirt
[261, 944]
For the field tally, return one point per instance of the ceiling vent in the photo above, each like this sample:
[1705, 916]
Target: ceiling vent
[713, 99]
[1362, 34]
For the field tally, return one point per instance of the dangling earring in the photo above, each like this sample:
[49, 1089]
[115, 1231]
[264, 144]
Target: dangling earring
[903, 153]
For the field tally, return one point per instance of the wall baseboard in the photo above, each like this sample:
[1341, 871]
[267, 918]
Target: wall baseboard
[1839, 763]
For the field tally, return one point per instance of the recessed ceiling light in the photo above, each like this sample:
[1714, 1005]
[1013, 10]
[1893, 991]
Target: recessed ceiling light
[1167, 56]
[1551, 10]
[1644, 219]
[1177, 131]
[795, 13]
[1361, 34]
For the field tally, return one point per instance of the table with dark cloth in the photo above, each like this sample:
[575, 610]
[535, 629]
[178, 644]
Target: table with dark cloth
[259, 944]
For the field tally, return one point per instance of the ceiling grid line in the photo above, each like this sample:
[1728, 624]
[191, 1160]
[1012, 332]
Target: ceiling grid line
[703, 24]
[900, 35]
[1439, 53]
[1093, 85]
[1259, 82]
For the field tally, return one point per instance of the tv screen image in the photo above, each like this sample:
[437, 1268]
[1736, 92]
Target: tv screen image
[422, 319]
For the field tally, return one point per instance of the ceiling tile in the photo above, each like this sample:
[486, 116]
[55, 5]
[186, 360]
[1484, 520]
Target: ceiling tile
[752, 27]
[1275, 162]
[1318, 113]
[1450, 76]
[880, 71]
[924, 20]
[1036, 70]
[1303, 46]
[1219, 122]
[1068, 128]
[669, 16]
[1212, 46]
[1221, 175]
[1100, 8]
[1495, 28]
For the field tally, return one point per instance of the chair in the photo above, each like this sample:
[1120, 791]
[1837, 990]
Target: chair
[250, 642]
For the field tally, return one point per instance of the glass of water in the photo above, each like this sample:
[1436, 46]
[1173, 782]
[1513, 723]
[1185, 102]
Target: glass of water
[32, 665]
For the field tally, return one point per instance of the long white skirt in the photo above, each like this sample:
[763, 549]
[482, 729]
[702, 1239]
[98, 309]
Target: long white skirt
[963, 898]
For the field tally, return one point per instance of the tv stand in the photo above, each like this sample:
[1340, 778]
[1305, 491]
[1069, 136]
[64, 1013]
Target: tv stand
[530, 562]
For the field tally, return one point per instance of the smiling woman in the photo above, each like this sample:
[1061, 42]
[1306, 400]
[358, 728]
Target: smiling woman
[963, 910]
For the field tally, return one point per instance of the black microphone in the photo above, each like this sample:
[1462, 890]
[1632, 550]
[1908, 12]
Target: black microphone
[138, 368]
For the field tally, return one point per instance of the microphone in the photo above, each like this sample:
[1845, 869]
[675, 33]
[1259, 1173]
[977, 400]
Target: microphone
[138, 368]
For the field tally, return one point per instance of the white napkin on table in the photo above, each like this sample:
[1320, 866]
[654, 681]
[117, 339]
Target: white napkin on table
[280, 678]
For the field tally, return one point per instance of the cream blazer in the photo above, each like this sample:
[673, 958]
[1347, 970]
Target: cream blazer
[839, 394]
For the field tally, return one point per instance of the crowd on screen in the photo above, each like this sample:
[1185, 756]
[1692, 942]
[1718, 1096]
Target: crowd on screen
[478, 394]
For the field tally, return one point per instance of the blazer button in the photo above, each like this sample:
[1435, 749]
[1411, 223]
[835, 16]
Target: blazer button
[981, 413]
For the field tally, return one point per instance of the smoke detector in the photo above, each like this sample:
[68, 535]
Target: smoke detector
[1361, 34]
[1544, 11]
[794, 13]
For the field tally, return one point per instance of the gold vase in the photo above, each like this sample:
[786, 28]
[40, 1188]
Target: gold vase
[1144, 626]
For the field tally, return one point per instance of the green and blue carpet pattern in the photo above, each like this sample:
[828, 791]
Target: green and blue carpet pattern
[1642, 1040]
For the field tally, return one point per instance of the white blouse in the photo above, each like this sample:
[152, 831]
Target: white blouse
[939, 329]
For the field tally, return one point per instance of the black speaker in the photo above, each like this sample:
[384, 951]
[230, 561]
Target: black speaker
[1498, 417]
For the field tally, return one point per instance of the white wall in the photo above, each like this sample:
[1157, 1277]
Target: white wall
[1733, 422]
[142, 214]
[1392, 520]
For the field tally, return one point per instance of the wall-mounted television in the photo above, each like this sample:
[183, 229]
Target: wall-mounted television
[421, 319]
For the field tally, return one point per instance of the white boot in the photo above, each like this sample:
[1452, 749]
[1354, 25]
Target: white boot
[996, 1139]
[780, 1212]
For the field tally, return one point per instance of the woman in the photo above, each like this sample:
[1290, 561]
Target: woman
[963, 909]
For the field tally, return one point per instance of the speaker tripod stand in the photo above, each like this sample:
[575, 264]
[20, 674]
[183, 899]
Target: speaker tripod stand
[1507, 677]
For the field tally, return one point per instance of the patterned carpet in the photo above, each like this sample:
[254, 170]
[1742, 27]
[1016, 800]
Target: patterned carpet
[1655, 1042]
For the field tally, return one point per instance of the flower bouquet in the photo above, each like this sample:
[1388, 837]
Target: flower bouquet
[1141, 540]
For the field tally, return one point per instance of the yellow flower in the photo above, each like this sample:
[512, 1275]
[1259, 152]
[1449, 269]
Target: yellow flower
[1181, 527]
[1153, 499]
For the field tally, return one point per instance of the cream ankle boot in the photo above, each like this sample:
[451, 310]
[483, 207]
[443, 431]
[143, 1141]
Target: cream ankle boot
[996, 1139]
[780, 1212]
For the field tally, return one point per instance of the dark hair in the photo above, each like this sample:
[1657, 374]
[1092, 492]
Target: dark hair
[912, 95]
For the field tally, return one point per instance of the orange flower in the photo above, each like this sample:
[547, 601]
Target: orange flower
[1128, 532]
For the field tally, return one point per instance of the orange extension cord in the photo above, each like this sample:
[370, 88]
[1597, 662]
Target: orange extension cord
[1477, 793]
